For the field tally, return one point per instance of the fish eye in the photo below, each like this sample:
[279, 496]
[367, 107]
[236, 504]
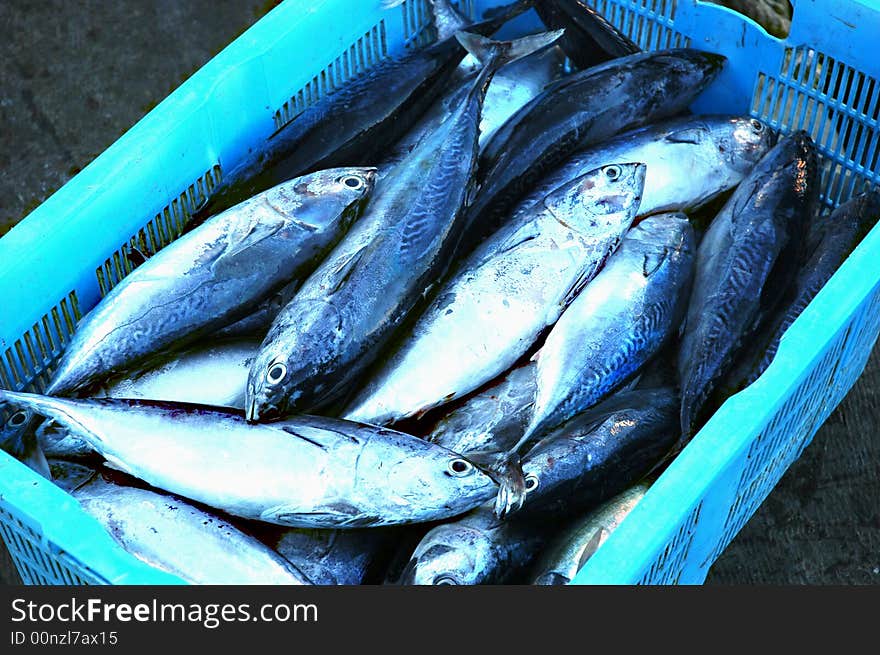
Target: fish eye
[757, 125]
[18, 418]
[445, 580]
[460, 467]
[353, 182]
[276, 372]
[612, 172]
[531, 482]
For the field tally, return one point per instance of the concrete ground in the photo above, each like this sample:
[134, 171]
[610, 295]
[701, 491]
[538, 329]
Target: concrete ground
[75, 76]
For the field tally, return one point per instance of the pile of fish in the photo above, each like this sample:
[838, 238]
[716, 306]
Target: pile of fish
[448, 324]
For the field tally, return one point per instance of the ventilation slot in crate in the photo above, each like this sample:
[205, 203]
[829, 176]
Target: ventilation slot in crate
[857, 346]
[364, 53]
[784, 439]
[649, 23]
[164, 228]
[27, 364]
[35, 564]
[837, 105]
[667, 568]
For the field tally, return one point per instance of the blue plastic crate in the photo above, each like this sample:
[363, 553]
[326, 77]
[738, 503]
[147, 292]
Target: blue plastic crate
[57, 263]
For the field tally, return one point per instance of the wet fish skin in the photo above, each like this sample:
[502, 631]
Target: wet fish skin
[589, 38]
[474, 549]
[567, 553]
[834, 237]
[353, 124]
[211, 373]
[746, 257]
[581, 110]
[492, 420]
[691, 160]
[213, 275]
[350, 307]
[258, 321]
[181, 539]
[337, 557]
[621, 319]
[598, 454]
[499, 300]
[303, 472]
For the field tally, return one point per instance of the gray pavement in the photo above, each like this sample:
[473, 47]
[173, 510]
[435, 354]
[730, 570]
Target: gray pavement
[75, 76]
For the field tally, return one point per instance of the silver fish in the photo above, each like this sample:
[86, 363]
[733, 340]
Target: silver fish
[178, 538]
[214, 274]
[302, 472]
[691, 160]
[475, 549]
[747, 256]
[496, 304]
[618, 322]
[354, 302]
[213, 373]
[596, 455]
[567, 554]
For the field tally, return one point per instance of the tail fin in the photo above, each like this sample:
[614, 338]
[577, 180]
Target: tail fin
[499, 53]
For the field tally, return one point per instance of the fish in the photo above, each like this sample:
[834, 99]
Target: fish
[350, 307]
[595, 456]
[213, 274]
[337, 557]
[497, 303]
[581, 110]
[354, 122]
[691, 161]
[179, 538]
[512, 87]
[210, 373]
[306, 471]
[834, 237]
[568, 552]
[474, 549]
[589, 38]
[619, 322]
[492, 420]
[746, 257]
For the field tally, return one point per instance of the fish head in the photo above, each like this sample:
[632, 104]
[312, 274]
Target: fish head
[604, 198]
[450, 554]
[742, 142]
[322, 199]
[430, 478]
[287, 375]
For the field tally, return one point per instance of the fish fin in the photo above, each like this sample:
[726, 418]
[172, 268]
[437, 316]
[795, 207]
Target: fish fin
[259, 231]
[653, 261]
[509, 475]
[499, 53]
[591, 547]
[574, 290]
[343, 516]
[526, 233]
[339, 275]
[687, 135]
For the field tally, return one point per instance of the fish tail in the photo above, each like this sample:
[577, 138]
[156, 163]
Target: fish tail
[495, 54]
